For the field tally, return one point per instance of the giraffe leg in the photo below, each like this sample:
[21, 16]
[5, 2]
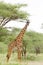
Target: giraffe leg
[8, 55]
[19, 53]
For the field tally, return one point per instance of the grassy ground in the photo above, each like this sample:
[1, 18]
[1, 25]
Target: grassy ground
[35, 60]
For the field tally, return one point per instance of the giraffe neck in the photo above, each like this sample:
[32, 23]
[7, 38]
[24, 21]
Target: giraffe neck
[21, 34]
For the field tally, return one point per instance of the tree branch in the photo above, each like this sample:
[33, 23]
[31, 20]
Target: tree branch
[5, 21]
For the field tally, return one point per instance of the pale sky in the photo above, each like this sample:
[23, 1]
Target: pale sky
[35, 8]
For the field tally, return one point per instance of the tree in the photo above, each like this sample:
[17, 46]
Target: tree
[37, 50]
[10, 12]
[3, 33]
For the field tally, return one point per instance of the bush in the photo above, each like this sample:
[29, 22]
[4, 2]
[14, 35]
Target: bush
[31, 57]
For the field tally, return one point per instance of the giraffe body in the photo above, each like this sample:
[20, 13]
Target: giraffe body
[17, 43]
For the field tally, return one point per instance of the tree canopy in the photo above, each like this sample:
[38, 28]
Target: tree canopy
[11, 12]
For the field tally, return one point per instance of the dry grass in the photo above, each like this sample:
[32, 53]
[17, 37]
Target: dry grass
[13, 61]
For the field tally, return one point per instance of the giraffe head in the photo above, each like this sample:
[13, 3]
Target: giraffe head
[28, 22]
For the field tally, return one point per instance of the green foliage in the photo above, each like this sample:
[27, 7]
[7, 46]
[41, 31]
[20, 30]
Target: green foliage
[32, 58]
[3, 33]
[31, 39]
[13, 11]
[3, 47]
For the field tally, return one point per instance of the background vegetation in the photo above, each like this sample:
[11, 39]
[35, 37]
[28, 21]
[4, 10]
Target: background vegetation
[31, 39]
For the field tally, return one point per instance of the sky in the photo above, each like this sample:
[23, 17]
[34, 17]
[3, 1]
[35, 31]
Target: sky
[35, 9]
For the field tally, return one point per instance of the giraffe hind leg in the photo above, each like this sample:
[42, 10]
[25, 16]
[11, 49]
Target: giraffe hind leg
[9, 54]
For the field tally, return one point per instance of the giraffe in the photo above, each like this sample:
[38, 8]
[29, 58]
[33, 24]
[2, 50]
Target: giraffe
[17, 43]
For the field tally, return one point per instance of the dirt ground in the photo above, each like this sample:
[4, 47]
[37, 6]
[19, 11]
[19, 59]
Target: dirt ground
[24, 63]
[33, 63]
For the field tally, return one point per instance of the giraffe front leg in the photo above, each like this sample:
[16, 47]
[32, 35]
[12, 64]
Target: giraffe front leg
[19, 53]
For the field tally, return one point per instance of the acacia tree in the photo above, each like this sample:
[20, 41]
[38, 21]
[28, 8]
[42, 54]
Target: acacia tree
[10, 12]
